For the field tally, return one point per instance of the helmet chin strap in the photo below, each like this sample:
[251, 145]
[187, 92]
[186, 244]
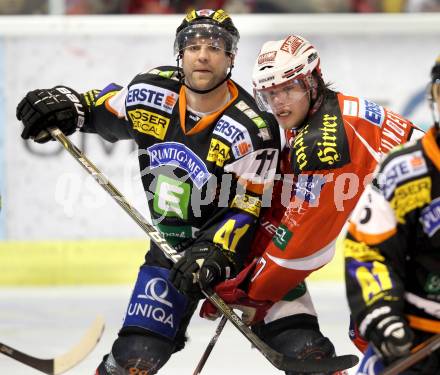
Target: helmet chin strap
[197, 91]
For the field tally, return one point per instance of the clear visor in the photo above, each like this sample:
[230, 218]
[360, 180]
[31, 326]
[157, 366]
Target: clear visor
[204, 34]
[273, 99]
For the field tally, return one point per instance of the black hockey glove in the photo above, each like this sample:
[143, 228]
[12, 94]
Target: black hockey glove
[392, 337]
[59, 106]
[206, 259]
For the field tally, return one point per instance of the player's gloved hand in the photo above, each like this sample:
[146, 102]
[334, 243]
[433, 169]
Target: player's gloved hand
[233, 292]
[59, 106]
[391, 337]
[203, 265]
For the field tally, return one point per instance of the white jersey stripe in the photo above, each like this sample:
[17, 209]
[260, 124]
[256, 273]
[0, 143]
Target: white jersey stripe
[316, 260]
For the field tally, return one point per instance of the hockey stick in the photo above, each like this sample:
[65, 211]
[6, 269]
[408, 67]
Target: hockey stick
[210, 346]
[277, 359]
[64, 362]
[420, 352]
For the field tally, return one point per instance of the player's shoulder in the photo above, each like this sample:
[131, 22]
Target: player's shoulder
[162, 76]
[242, 121]
[405, 164]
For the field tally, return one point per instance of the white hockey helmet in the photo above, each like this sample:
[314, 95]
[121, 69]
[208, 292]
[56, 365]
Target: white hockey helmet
[283, 60]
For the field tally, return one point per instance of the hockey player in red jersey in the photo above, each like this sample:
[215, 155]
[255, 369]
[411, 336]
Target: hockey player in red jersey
[196, 130]
[392, 252]
[334, 142]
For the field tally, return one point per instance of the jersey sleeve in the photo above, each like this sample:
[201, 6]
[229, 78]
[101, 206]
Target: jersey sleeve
[107, 113]
[374, 251]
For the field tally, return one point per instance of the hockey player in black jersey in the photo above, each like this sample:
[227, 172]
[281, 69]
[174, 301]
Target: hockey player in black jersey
[392, 252]
[206, 153]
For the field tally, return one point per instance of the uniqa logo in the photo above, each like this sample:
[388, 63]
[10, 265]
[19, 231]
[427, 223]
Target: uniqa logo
[156, 290]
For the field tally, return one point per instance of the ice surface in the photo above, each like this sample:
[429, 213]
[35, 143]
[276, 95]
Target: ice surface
[45, 322]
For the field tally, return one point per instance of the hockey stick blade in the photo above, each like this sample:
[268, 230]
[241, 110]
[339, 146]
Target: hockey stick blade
[64, 362]
[279, 360]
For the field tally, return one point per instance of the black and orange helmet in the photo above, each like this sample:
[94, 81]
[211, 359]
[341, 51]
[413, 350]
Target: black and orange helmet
[209, 24]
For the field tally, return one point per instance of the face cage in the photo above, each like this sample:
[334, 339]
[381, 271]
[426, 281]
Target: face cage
[211, 33]
[260, 96]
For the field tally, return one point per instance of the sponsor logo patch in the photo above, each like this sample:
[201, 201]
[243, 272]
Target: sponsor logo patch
[171, 197]
[218, 152]
[174, 153]
[149, 123]
[152, 96]
[176, 234]
[282, 237]
[231, 130]
[291, 44]
[430, 217]
[155, 304]
[308, 187]
[400, 169]
[247, 203]
[410, 196]
[372, 112]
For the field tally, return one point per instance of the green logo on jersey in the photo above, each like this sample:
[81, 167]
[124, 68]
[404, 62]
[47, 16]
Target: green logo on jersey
[282, 236]
[433, 284]
[171, 197]
[176, 234]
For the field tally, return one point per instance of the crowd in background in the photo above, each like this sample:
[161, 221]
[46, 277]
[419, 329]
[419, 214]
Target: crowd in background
[73, 7]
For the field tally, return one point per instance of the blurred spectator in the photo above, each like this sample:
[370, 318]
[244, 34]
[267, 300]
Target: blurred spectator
[366, 6]
[183, 6]
[147, 6]
[93, 7]
[23, 6]
[301, 6]
[422, 6]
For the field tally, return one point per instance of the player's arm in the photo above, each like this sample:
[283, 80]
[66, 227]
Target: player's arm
[96, 111]
[375, 249]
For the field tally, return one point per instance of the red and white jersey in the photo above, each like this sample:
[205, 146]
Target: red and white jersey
[328, 164]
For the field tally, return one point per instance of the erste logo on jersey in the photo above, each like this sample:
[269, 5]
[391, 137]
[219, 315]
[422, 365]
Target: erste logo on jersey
[400, 169]
[308, 187]
[236, 134]
[152, 96]
[372, 112]
[174, 153]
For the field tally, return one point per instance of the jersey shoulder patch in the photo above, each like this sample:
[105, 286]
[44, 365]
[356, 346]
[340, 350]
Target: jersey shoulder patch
[401, 167]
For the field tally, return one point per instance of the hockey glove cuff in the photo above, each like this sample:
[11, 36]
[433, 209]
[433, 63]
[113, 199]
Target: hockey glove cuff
[59, 106]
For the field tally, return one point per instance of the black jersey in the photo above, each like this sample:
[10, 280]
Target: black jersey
[203, 176]
[392, 249]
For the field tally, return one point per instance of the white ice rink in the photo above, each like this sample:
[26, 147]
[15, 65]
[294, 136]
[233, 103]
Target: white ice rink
[46, 322]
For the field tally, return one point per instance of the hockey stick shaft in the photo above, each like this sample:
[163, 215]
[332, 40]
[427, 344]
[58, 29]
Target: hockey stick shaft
[64, 362]
[424, 350]
[210, 346]
[277, 359]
